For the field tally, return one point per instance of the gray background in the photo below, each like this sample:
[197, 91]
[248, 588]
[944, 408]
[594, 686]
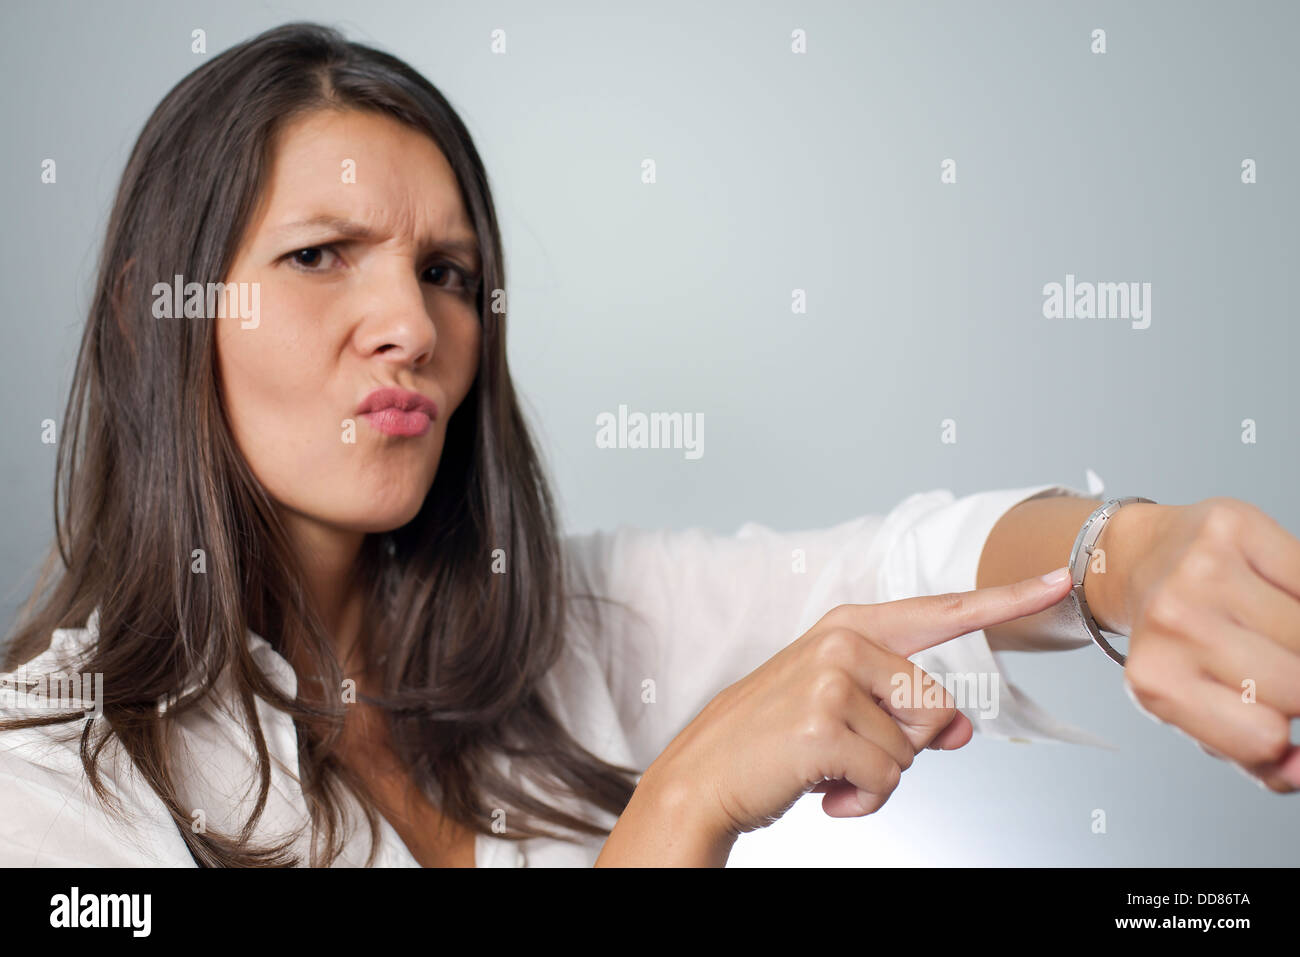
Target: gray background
[819, 172]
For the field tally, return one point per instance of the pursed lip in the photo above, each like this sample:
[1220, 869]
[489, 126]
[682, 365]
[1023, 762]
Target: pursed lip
[395, 411]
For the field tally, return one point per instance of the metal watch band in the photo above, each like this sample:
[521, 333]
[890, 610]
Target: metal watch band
[1081, 557]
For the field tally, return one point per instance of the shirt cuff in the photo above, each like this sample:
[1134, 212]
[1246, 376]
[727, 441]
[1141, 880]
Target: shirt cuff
[936, 542]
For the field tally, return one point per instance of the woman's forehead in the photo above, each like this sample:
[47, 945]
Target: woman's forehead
[367, 173]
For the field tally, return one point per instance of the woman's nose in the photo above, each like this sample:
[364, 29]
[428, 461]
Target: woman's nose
[397, 324]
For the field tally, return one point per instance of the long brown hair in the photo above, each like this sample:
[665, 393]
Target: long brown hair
[148, 470]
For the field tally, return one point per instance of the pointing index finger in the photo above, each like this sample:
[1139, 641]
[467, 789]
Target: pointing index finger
[909, 625]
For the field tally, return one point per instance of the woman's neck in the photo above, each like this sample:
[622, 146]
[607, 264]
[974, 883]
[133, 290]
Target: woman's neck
[329, 560]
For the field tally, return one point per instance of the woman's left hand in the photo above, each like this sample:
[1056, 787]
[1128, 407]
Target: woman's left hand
[1212, 591]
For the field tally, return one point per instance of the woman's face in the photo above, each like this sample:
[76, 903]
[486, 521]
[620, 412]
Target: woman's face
[367, 265]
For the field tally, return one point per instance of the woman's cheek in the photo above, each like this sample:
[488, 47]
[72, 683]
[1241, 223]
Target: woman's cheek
[283, 416]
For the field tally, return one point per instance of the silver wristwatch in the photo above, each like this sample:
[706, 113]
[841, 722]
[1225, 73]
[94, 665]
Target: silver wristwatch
[1081, 557]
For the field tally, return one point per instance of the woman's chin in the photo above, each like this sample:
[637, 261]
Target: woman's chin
[379, 518]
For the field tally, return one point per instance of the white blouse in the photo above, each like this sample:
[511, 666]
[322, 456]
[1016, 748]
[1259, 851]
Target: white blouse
[710, 609]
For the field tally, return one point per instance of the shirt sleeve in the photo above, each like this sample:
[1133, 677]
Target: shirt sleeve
[50, 818]
[935, 546]
[674, 617]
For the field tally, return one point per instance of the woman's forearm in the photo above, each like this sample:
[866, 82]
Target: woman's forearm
[664, 825]
[1035, 537]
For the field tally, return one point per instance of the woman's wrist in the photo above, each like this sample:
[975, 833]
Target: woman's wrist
[667, 823]
[1108, 584]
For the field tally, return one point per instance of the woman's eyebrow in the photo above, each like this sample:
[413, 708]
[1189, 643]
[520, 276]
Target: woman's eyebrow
[350, 229]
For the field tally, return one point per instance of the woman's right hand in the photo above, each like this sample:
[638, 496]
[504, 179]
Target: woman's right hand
[839, 710]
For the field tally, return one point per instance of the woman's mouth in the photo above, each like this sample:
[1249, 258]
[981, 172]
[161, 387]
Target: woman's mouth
[396, 411]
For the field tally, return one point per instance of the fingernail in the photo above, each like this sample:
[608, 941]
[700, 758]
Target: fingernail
[1056, 577]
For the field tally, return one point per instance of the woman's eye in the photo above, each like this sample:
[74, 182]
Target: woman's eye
[309, 258]
[442, 273]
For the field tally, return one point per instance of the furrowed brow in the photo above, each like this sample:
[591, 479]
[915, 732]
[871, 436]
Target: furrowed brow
[336, 224]
[349, 229]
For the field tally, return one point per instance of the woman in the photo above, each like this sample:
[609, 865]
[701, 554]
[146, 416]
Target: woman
[305, 540]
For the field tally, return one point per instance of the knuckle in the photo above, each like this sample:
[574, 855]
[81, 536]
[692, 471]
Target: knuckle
[909, 756]
[837, 646]
[1166, 610]
[1222, 520]
[893, 775]
[1200, 565]
[841, 616]
[832, 689]
[817, 729]
[952, 603]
